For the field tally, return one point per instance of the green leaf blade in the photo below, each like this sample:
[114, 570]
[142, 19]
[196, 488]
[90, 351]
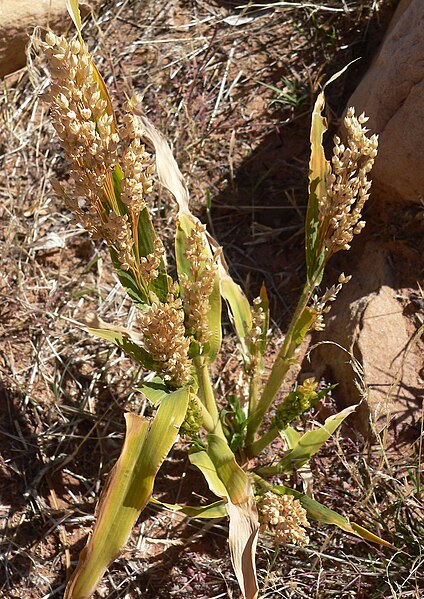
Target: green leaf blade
[312, 441]
[132, 349]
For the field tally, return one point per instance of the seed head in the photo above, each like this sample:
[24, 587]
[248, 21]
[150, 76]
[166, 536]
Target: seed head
[149, 265]
[79, 113]
[162, 328]
[198, 285]
[85, 128]
[254, 337]
[193, 419]
[284, 516]
[296, 403]
[88, 135]
[118, 234]
[137, 166]
[320, 304]
[347, 185]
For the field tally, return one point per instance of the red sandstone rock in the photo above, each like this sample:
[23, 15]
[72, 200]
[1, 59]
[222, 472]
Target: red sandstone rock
[392, 95]
[17, 21]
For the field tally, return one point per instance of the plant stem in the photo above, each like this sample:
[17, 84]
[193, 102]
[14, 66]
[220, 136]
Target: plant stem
[260, 444]
[206, 418]
[253, 391]
[260, 482]
[270, 470]
[280, 367]
[207, 397]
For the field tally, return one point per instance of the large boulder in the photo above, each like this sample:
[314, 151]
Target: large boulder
[369, 322]
[17, 21]
[374, 317]
[392, 95]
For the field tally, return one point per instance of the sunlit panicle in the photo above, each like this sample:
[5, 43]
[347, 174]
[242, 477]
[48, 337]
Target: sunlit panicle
[198, 287]
[162, 327]
[78, 111]
[87, 134]
[137, 166]
[149, 265]
[85, 129]
[284, 516]
[347, 186]
[118, 234]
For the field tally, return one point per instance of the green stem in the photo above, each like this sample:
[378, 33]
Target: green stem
[253, 391]
[260, 482]
[280, 367]
[259, 445]
[270, 470]
[207, 397]
[206, 418]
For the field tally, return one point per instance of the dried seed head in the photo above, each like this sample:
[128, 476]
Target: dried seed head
[319, 304]
[118, 234]
[284, 516]
[347, 186]
[79, 112]
[198, 286]
[85, 129]
[87, 134]
[149, 265]
[137, 166]
[162, 327]
[254, 337]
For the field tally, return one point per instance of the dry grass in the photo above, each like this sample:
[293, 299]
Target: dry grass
[243, 147]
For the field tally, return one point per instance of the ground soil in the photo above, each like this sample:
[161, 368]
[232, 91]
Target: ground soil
[207, 82]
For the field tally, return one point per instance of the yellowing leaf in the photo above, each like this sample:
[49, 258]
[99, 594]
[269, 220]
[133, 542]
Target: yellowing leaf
[365, 534]
[167, 168]
[238, 305]
[212, 510]
[242, 512]
[325, 515]
[74, 13]
[128, 490]
[319, 168]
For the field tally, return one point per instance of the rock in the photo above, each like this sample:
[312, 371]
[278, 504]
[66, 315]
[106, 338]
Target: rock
[18, 19]
[368, 320]
[392, 95]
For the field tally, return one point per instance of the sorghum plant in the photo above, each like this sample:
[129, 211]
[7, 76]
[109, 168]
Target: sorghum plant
[178, 331]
